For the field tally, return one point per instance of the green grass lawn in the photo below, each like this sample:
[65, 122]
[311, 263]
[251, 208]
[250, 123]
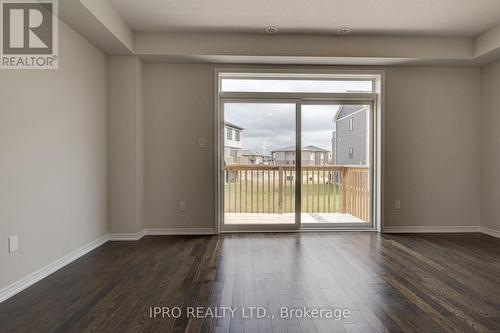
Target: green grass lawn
[263, 198]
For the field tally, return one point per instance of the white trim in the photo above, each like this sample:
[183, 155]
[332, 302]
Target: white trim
[430, 229]
[127, 236]
[43, 272]
[135, 236]
[376, 98]
[379, 155]
[490, 232]
[180, 231]
[217, 153]
[338, 97]
[297, 72]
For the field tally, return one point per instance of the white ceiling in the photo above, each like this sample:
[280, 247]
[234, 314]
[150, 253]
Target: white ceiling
[466, 18]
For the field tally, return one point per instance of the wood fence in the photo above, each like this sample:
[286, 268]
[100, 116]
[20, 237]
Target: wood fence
[271, 189]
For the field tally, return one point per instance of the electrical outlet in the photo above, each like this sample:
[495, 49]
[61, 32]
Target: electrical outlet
[13, 244]
[182, 206]
[201, 143]
[397, 204]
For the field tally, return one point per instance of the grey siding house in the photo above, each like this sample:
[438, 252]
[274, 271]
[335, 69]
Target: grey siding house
[251, 157]
[349, 141]
[232, 143]
[311, 155]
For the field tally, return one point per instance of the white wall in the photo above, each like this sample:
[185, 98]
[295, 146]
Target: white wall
[52, 157]
[432, 151]
[490, 152]
[179, 109]
[432, 146]
[125, 144]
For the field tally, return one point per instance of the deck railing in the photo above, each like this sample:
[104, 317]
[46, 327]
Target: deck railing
[271, 189]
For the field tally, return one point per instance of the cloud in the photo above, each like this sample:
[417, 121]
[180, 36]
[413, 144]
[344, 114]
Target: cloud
[268, 126]
[307, 86]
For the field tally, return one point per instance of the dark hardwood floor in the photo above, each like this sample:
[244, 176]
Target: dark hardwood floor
[396, 283]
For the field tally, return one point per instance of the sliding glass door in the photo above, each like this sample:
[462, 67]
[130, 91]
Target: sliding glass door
[271, 184]
[259, 168]
[298, 151]
[335, 164]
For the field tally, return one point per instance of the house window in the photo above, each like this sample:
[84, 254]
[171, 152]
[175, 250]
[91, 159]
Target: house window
[351, 124]
[229, 133]
[351, 153]
[237, 135]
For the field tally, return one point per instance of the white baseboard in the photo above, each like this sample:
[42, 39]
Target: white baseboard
[180, 231]
[126, 236]
[43, 272]
[491, 232]
[430, 229]
[135, 236]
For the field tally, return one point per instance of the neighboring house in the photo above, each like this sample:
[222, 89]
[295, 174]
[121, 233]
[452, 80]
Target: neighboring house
[311, 155]
[268, 159]
[251, 157]
[349, 141]
[334, 143]
[232, 143]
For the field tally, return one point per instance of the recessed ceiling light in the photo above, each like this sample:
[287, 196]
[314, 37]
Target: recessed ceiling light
[271, 30]
[344, 31]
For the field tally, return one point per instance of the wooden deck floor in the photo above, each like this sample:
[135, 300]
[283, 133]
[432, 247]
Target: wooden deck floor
[389, 283]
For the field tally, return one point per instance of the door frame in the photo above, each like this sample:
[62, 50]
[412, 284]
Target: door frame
[375, 99]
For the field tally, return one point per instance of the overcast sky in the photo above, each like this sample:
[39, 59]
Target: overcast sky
[272, 125]
[256, 85]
